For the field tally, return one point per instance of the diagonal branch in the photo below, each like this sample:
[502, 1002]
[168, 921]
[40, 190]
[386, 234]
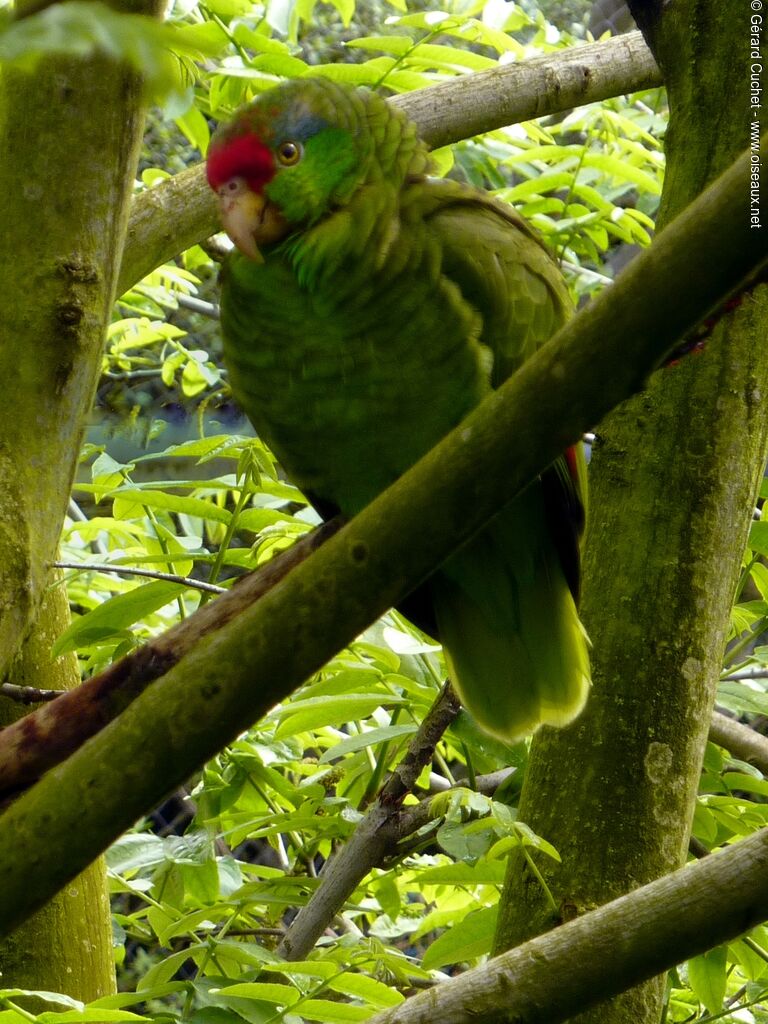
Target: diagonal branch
[44, 738]
[180, 211]
[234, 675]
[374, 837]
[741, 741]
[608, 950]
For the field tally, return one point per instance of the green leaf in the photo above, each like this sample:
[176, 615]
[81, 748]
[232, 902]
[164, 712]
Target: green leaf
[759, 576]
[622, 170]
[255, 40]
[484, 872]
[117, 614]
[746, 783]
[320, 711]
[707, 977]
[196, 129]
[135, 852]
[45, 996]
[229, 8]
[206, 36]
[448, 58]
[280, 64]
[368, 73]
[396, 45]
[333, 1013]
[87, 1016]
[466, 940]
[753, 965]
[346, 9]
[735, 696]
[163, 971]
[461, 844]
[758, 537]
[107, 473]
[373, 992]
[129, 503]
[538, 186]
[201, 882]
[269, 992]
[120, 999]
[257, 519]
[322, 969]
[369, 738]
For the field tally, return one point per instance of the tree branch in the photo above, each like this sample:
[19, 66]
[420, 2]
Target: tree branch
[387, 824]
[374, 837]
[740, 740]
[48, 735]
[604, 952]
[150, 574]
[534, 88]
[180, 211]
[29, 694]
[234, 675]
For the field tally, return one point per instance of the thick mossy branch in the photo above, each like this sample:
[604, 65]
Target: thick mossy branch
[550, 978]
[233, 676]
[534, 88]
[48, 735]
[180, 211]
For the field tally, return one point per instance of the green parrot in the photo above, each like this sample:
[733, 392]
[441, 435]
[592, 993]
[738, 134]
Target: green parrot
[366, 309]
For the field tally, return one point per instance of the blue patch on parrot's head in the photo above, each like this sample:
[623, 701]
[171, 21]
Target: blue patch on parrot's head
[308, 145]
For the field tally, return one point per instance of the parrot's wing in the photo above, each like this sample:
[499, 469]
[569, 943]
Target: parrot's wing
[505, 602]
[506, 272]
[502, 268]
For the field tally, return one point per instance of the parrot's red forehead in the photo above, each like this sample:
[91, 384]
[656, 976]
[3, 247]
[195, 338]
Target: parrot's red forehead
[241, 156]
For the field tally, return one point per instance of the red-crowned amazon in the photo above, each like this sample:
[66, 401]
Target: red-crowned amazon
[368, 309]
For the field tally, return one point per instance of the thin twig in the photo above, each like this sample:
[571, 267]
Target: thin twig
[152, 574]
[209, 309]
[374, 838]
[28, 694]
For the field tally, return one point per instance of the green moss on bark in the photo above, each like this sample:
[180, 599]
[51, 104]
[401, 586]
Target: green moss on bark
[67, 945]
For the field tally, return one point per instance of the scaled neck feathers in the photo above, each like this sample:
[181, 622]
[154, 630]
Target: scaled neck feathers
[364, 222]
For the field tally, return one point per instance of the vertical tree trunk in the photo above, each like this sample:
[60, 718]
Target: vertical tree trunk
[67, 945]
[71, 131]
[673, 482]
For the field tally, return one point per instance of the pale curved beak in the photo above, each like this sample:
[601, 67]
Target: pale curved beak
[250, 220]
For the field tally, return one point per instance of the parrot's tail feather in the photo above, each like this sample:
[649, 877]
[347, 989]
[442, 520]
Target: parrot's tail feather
[516, 648]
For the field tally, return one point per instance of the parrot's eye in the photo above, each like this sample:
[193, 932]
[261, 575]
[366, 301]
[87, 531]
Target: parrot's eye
[288, 153]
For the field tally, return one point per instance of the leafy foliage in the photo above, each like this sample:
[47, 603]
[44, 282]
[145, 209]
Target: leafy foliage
[199, 915]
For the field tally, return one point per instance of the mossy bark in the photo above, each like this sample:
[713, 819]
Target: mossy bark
[71, 131]
[70, 134]
[67, 945]
[674, 476]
